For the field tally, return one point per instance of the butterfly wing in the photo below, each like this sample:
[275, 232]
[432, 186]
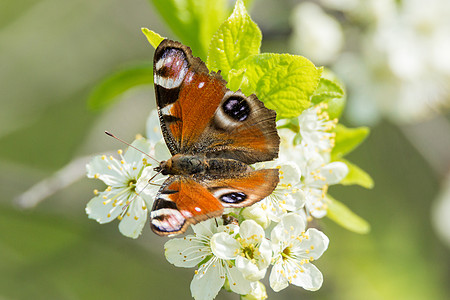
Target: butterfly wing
[198, 114]
[184, 200]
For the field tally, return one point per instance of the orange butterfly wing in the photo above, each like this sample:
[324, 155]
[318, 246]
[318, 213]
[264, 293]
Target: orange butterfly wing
[199, 114]
[185, 200]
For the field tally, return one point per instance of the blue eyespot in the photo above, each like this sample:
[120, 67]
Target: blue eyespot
[236, 197]
[236, 108]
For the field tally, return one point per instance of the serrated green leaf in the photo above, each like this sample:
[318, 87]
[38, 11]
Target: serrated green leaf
[283, 82]
[193, 21]
[331, 93]
[356, 175]
[342, 215]
[153, 38]
[347, 139]
[236, 39]
[106, 92]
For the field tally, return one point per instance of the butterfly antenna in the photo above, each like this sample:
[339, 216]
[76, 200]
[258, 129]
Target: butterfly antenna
[120, 140]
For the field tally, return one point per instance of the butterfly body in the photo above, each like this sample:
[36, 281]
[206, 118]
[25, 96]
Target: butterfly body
[213, 134]
[186, 165]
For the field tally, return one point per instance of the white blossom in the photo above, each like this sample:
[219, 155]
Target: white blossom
[315, 128]
[318, 174]
[294, 250]
[120, 200]
[214, 247]
[254, 253]
[258, 292]
[286, 197]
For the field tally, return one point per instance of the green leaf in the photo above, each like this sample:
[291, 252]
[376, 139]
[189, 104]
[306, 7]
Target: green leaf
[153, 38]
[356, 175]
[106, 92]
[283, 82]
[236, 39]
[342, 215]
[193, 21]
[347, 139]
[331, 93]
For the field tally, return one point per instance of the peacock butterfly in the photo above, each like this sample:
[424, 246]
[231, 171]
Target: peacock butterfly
[213, 134]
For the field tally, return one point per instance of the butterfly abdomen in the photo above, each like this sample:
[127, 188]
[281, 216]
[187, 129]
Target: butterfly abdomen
[181, 164]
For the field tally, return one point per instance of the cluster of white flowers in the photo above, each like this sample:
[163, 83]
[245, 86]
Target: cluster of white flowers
[393, 55]
[236, 251]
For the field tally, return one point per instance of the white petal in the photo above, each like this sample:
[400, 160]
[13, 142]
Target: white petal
[224, 246]
[149, 191]
[310, 279]
[316, 244]
[207, 283]
[258, 292]
[257, 213]
[251, 231]
[289, 173]
[161, 151]
[103, 210]
[135, 218]
[291, 225]
[185, 252]
[231, 229]
[277, 280]
[265, 248]
[206, 228]
[107, 170]
[238, 283]
[315, 203]
[134, 157]
[248, 269]
[153, 129]
[334, 172]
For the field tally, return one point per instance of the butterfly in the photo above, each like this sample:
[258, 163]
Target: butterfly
[213, 135]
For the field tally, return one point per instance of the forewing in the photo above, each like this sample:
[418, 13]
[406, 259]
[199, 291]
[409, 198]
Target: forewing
[198, 114]
[186, 94]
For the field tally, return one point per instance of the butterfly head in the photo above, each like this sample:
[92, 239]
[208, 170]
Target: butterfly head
[164, 167]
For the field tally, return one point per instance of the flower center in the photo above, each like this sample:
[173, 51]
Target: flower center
[132, 184]
[286, 253]
[249, 251]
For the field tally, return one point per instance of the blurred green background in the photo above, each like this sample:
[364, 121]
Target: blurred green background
[52, 53]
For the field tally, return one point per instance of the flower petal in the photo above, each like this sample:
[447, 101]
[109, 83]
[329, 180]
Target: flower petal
[207, 283]
[334, 172]
[133, 156]
[153, 129]
[149, 191]
[258, 292]
[224, 246]
[161, 151]
[134, 219]
[291, 225]
[316, 244]
[206, 228]
[309, 278]
[265, 249]
[277, 278]
[185, 252]
[289, 173]
[103, 210]
[238, 283]
[257, 213]
[248, 269]
[107, 170]
[251, 231]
